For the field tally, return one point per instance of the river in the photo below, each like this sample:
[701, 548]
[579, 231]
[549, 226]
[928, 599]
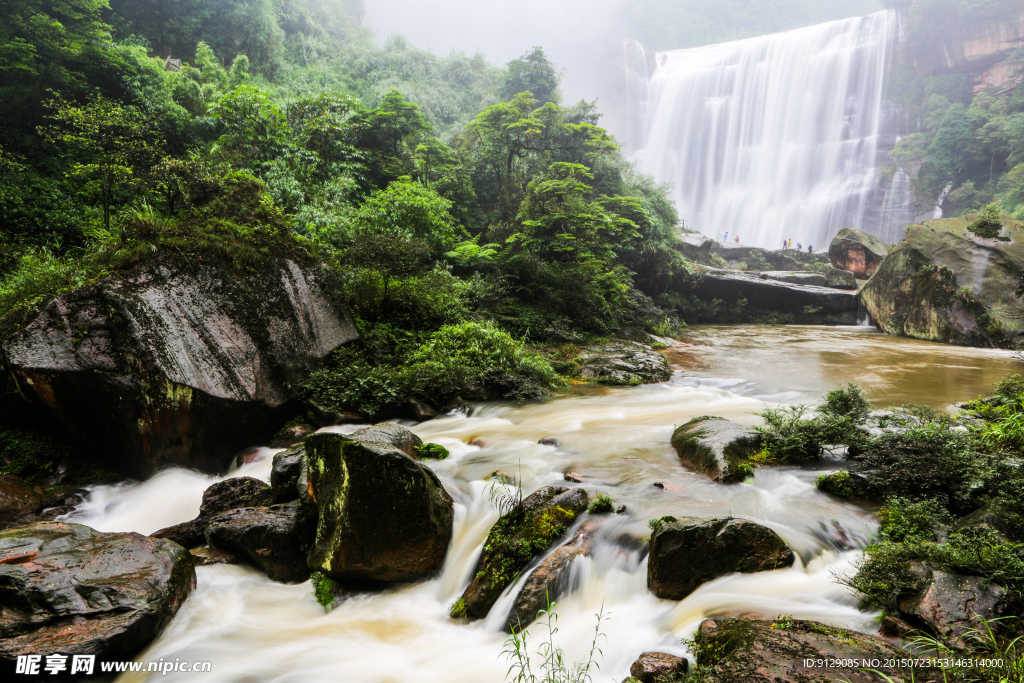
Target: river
[617, 440]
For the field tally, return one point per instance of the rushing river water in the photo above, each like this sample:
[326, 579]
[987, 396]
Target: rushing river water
[617, 440]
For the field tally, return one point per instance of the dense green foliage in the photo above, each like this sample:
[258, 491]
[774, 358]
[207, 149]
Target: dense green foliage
[789, 436]
[466, 209]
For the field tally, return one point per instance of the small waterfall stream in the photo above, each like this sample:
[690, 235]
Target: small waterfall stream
[772, 137]
[617, 439]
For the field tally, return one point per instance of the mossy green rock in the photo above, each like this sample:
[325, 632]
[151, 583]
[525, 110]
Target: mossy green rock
[383, 516]
[716, 447]
[857, 252]
[689, 551]
[941, 283]
[67, 588]
[760, 651]
[516, 538]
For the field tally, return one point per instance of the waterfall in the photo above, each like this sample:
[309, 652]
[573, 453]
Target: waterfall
[772, 137]
[897, 212]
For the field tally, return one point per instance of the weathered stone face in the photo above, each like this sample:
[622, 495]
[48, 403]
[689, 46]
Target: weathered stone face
[951, 604]
[756, 651]
[179, 363]
[230, 494]
[19, 503]
[689, 551]
[716, 447]
[829, 305]
[658, 667]
[383, 516]
[857, 252]
[940, 283]
[67, 588]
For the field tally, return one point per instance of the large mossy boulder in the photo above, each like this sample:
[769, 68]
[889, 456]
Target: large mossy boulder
[179, 361]
[689, 551]
[717, 448]
[758, 651]
[623, 364]
[275, 538]
[942, 283]
[532, 527]
[382, 515]
[67, 588]
[857, 252]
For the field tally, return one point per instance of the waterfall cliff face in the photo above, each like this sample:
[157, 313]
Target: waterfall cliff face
[773, 137]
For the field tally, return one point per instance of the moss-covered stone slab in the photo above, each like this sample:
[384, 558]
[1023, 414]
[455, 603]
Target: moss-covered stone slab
[383, 516]
[689, 551]
[70, 589]
[941, 283]
[179, 361]
[514, 540]
[761, 651]
[717, 448]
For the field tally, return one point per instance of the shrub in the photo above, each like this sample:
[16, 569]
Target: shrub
[601, 504]
[989, 223]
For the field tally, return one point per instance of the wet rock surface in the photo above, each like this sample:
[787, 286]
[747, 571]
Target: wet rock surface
[532, 527]
[230, 494]
[658, 667]
[550, 580]
[179, 363]
[952, 606]
[716, 447]
[689, 551]
[67, 588]
[755, 651]
[857, 252]
[382, 515]
[807, 303]
[19, 502]
[623, 363]
[273, 538]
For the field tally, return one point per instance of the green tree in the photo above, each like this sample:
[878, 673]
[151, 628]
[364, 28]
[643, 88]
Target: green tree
[532, 73]
[408, 209]
[111, 142]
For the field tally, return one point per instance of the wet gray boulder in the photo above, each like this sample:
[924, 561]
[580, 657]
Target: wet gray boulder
[760, 651]
[67, 588]
[288, 472]
[274, 538]
[623, 364]
[717, 448]
[230, 494]
[382, 515]
[950, 605]
[658, 667]
[179, 362]
[943, 283]
[550, 580]
[857, 252]
[518, 536]
[689, 551]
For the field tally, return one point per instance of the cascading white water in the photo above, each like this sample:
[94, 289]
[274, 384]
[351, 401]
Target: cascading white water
[772, 137]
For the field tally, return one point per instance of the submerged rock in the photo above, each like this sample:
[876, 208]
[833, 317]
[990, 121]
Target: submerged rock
[273, 538]
[514, 540]
[658, 667]
[757, 651]
[689, 551]
[857, 252]
[717, 448]
[942, 283]
[383, 516]
[67, 588]
[178, 362]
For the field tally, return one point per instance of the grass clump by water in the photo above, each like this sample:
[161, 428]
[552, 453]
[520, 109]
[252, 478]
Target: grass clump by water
[548, 664]
[601, 505]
